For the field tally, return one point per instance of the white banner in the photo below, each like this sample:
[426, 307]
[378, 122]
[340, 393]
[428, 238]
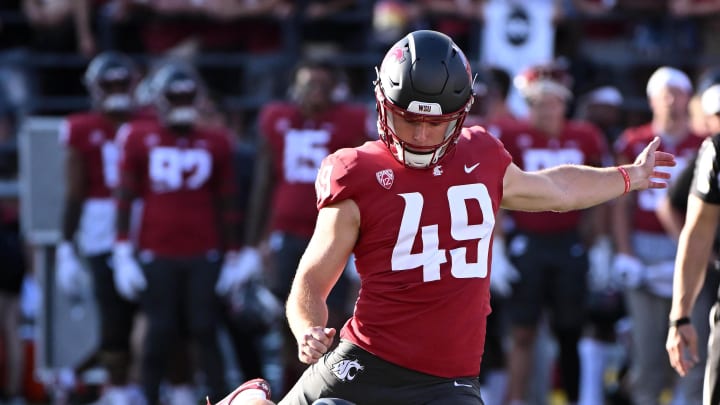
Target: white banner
[517, 34]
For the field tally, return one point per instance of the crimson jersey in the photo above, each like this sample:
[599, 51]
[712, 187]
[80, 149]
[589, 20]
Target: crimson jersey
[578, 143]
[298, 146]
[180, 179]
[501, 125]
[93, 136]
[630, 144]
[423, 250]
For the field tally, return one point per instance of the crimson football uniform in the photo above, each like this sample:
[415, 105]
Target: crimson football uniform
[299, 146]
[579, 143]
[631, 142]
[92, 135]
[423, 250]
[179, 179]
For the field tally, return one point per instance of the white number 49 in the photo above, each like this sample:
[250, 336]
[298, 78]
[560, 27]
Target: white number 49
[432, 256]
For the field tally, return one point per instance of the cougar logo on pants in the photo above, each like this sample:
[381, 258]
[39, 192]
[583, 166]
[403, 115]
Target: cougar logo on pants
[346, 370]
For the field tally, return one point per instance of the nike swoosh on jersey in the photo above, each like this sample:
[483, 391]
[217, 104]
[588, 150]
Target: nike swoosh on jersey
[471, 168]
[457, 384]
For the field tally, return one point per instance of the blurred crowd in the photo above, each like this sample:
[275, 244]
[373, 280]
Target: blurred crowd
[216, 114]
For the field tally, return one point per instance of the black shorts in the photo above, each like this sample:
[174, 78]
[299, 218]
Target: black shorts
[355, 375]
[553, 275]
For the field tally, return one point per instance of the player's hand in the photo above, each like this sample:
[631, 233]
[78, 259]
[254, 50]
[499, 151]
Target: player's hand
[70, 276]
[644, 173]
[503, 273]
[627, 270]
[314, 343]
[682, 349]
[128, 276]
[238, 268]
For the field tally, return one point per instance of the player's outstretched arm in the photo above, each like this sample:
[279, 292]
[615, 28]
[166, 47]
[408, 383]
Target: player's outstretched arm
[572, 187]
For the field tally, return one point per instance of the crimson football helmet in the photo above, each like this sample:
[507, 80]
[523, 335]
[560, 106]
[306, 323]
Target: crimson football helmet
[424, 77]
[177, 90]
[110, 78]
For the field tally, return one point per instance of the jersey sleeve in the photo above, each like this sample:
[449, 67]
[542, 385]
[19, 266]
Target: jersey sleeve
[131, 155]
[333, 182]
[705, 181]
[69, 134]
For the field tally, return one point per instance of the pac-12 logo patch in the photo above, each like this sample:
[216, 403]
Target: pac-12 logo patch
[346, 370]
[385, 178]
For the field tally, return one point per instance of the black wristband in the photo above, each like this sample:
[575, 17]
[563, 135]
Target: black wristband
[674, 323]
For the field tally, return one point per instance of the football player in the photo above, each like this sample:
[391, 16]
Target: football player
[186, 250]
[89, 211]
[417, 207]
[295, 135]
[547, 247]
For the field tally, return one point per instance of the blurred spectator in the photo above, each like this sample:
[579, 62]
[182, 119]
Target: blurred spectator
[643, 263]
[548, 249]
[295, 135]
[187, 247]
[603, 107]
[460, 19]
[391, 19]
[328, 26]
[211, 25]
[61, 25]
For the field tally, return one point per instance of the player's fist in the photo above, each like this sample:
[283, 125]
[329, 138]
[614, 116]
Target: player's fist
[314, 343]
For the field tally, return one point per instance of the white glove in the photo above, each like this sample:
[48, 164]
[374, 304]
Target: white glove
[659, 278]
[70, 276]
[600, 256]
[502, 273]
[237, 268]
[627, 270]
[128, 276]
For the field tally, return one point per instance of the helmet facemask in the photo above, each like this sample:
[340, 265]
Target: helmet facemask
[411, 155]
[178, 104]
[110, 78]
[424, 78]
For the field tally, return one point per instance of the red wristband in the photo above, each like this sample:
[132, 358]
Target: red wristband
[626, 178]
